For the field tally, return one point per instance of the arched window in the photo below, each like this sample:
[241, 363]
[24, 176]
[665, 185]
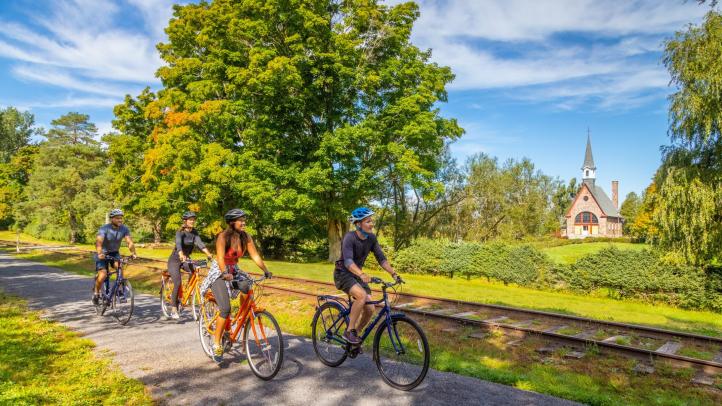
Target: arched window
[586, 218]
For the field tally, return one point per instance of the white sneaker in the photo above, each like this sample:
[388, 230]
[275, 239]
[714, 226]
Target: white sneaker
[174, 314]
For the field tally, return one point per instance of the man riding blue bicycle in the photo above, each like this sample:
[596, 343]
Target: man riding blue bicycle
[349, 276]
[107, 247]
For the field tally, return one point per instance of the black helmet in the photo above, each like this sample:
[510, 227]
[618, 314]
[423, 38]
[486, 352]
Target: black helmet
[234, 214]
[188, 215]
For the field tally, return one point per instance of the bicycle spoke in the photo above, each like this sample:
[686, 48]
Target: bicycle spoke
[402, 353]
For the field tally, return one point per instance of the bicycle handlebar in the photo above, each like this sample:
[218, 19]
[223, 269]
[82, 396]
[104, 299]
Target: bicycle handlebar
[380, 281]
[197, 264]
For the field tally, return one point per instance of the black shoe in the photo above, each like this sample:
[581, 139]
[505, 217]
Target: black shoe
[352, 337]
[96, 299]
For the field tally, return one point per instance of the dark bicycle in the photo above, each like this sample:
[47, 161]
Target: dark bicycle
[118, 296]
[400, 347]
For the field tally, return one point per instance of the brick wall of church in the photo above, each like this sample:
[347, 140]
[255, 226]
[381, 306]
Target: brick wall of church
[591, 206]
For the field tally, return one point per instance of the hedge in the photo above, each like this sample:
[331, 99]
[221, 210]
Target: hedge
[644, 274]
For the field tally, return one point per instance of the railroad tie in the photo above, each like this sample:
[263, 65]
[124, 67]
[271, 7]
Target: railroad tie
[555, 329]
[496, 319]
[718, 358]
[615, 339]
[670, 347]
[702, 378]
[479, 334]
[522, 323]
[585, 334]
[401, 306]
[464, 314]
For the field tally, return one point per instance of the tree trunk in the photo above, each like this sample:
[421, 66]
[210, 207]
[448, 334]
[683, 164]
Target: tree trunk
[73, 228]
[334, 240]
[156, 232]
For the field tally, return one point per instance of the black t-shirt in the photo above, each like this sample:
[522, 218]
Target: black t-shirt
[356, 250]
[186, 240]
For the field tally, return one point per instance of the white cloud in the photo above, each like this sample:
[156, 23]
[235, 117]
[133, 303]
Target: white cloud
[80, 46]
[563, 52]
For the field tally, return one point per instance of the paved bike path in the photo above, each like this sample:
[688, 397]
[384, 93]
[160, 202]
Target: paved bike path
[167, 357]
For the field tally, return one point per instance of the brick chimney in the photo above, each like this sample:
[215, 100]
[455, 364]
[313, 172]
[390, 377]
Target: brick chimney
[615, 193]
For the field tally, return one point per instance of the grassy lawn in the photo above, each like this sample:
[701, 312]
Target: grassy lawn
[42, 362]
[568, 254]
[477, 290]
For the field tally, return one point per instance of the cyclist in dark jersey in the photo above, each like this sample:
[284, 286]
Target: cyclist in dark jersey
[107, 244]
[349, 277]
[231, 244]
[186, 239]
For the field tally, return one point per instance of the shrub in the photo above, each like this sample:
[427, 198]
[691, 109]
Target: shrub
[424, 256]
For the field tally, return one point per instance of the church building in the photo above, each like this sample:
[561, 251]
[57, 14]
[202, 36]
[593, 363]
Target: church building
[592, 213]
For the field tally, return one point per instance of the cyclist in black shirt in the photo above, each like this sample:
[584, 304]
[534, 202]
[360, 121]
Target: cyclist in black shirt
[186, 239]
[348, 275]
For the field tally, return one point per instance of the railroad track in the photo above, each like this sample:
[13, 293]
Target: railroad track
[577, 334]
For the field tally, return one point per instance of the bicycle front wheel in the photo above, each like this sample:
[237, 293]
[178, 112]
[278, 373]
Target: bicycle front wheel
[195, 303]
[264, 345]
[326, 329]
[123, 301]
[401, 352]
[207, 311]
[166, 290]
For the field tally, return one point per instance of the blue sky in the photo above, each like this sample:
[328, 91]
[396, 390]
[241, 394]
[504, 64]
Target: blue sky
[531, 76]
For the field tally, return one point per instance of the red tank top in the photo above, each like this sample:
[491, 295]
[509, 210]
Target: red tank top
[231, 256]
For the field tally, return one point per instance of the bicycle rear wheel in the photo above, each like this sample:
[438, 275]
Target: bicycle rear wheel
[401, 353]
[123, 301]
[329, 345]
[207, 311]
[166, 290]
[264, 345]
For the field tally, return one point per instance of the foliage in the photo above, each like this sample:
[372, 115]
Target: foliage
[63, 191]
[296, 111]
[16, 128]
[689, 183]
[510, 201]
[641, 274]
[629, 209]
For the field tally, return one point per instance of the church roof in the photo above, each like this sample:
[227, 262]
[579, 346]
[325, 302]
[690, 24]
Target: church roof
[605, 203]
[588, 158]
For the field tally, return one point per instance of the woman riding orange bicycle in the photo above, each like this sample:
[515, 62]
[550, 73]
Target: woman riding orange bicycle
[186, 239]
[231, 244]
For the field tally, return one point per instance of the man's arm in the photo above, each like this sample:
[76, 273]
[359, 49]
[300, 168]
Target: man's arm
[99, 246]
[381, 259]
[131, 246]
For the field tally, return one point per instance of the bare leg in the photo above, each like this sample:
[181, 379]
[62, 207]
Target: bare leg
[99, 279]
[359, 302]
[368, 311]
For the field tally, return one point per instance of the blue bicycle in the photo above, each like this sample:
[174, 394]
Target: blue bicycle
[400, 347]
[118, 297]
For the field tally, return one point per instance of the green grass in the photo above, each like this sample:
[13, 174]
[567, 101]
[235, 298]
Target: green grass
[568, 254]
[478, 290]
[42, 362]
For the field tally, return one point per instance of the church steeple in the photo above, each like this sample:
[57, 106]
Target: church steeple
[588, 169]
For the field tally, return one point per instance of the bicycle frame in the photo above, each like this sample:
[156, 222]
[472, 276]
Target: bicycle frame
[189, 286]
[384, 313]
[107, 292]
[246, 312]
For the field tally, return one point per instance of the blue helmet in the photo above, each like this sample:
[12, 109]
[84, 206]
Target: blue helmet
[115, 213]
[189, 214]
[360, 213]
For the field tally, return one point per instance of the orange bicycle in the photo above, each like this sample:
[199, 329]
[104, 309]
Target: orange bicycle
[262, 337]
[192, 299]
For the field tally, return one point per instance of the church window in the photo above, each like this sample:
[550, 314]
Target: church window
[586, 218]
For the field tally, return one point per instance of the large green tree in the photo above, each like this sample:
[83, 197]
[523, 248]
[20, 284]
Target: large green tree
[64, 190]
[629, 209]
[511, 200]
[296, 110]
[16, 129]
[689, 182]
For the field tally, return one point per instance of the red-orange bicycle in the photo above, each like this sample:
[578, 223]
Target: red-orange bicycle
[262, 337]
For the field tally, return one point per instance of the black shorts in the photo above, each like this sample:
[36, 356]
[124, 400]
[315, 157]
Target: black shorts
[345, 280]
